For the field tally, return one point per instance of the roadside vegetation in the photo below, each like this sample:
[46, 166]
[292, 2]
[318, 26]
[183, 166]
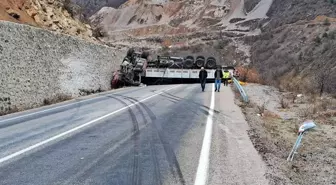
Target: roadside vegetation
[274, 117]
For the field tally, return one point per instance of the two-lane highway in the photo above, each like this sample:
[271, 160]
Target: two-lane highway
[151, 135]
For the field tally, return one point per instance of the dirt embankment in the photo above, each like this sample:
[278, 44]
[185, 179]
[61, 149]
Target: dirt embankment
[274, 118]
[38, 66]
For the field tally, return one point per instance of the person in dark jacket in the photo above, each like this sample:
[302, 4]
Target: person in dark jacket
[218, 78]
[203, 74]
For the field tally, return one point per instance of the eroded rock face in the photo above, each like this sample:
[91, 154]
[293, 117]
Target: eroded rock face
[49, 14]
[54, 15]
[15, 11]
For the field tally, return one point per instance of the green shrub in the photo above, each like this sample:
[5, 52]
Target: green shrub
[325, 35]
[332, 1]
[317, 40]
[332, 34]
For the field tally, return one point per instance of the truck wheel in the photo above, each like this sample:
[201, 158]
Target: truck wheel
[130, 52]
[211, 63]
[145, 55]
[200, 60]
[190, 58]
[188, 63]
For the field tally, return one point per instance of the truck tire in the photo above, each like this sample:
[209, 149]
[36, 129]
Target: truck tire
[200, 60]
[130, 52]
[211, 63]
[145, 54]
[188, 63]
[190, 58]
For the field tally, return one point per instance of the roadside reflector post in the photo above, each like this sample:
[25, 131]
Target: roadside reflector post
[305, 127]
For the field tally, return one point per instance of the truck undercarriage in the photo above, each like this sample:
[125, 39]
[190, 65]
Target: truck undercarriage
[138, 67]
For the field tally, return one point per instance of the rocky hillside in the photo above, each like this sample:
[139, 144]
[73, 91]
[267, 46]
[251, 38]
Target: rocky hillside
[15, 11]
[54, 15]
[153, 17]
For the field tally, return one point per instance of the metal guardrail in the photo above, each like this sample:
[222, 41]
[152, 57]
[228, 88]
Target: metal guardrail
[241, 90]
[305, 127]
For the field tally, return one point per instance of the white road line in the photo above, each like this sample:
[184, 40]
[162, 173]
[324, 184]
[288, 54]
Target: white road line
[46, 110]
[76, 128]
[203, 164]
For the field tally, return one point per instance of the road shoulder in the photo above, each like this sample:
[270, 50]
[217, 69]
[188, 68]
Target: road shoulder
[234, 160]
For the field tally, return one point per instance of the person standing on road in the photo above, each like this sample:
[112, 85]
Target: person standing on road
[218, 77]
[226, 76]
[203, 74]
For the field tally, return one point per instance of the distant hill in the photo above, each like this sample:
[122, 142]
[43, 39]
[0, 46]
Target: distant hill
[90, 7]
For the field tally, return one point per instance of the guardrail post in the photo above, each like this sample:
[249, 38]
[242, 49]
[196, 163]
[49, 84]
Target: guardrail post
[305, 127]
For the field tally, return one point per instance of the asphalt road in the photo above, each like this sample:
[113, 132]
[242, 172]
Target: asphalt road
[152, 135]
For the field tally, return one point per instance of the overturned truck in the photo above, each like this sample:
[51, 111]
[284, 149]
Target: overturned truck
[138, 67]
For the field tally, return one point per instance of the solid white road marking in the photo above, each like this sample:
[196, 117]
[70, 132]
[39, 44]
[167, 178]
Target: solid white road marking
[76, 128]
[203, 164]
[46, 110]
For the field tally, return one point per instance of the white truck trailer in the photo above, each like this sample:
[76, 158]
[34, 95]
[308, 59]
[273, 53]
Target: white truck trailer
[181, 73]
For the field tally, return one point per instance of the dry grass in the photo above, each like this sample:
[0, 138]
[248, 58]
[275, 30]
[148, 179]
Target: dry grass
[249, 74]
[308, 112]
[331, 113]
[327, 103]
[85, 92]
[261, 109]
[10, 111]
[318, 109]
[269, 114]
[283, 102]
[56, 99]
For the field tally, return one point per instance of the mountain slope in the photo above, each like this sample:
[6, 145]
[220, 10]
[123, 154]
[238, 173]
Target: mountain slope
[160, 17]
[297, 49]
[89, 7]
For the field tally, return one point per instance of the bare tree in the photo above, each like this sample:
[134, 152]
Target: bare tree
[244, 74]
[322, 79]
